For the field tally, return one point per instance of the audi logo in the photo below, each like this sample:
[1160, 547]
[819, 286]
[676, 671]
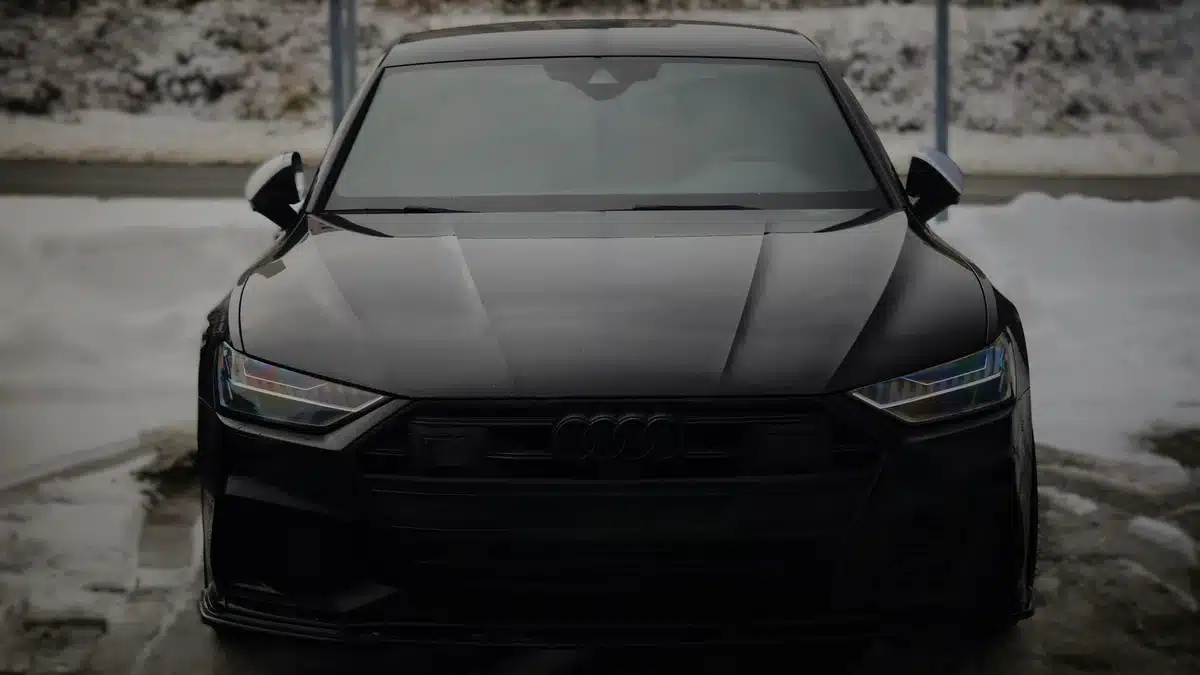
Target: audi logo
[608, 437]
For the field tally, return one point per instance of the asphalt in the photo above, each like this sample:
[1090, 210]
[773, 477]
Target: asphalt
[38, 177]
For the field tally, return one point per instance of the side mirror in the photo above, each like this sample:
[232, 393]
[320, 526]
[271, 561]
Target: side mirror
[274, 187]
[934, 182]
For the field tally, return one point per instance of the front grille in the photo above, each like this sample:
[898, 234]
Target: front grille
[523, 439]
[568, 581]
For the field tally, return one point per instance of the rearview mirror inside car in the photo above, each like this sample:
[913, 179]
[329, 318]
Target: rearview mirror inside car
[934, 182]
[274, 187]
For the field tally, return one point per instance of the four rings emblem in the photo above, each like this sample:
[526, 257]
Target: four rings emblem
[608, 437]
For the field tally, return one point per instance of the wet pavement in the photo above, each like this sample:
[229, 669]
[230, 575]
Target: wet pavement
[1112, 600]
[1102, 612]
[108, 179]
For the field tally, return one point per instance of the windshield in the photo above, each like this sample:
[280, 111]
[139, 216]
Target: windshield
[580, 134]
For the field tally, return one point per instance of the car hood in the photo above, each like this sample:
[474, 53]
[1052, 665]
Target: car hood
[634, 305]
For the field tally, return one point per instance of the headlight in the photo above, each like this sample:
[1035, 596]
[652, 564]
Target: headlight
[274, 394]
[970, 383]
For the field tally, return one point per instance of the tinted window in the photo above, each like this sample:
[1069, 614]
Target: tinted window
[598, 133]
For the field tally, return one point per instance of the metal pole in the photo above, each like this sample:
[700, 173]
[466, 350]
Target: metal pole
[351, 51]
[337, 92]
[942, 86]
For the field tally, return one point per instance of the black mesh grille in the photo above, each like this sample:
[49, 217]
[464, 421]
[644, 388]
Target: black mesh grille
[516, 439]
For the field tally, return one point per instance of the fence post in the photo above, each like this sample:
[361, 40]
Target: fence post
[942, 85]
[350, 52]
[337, 91]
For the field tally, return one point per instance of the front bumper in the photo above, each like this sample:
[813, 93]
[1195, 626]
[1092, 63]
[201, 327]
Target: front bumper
[300, 542]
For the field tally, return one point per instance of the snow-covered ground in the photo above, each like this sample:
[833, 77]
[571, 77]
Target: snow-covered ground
[102, 304]
[71, 545]
[1110, 298]
[1051, 68]
[1075, 88]
[77, 555]
[107, 136]
[101, 309]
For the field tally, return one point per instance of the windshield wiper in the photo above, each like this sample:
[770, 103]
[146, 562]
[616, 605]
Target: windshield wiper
[697, 207]
[430, 209]
[860, 219]
[405, 209]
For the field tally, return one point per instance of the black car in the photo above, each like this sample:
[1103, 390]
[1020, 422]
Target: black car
[611, 332]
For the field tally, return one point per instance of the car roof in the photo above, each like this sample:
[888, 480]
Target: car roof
[601, 37]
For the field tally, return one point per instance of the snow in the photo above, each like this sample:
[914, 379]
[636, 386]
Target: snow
[1185, 599]
[102, 304]
[107, 136]
[70, 548]
[1166, 535]
[1110, 298]
[1050, 88]
[1099, 154]
[101, 135]
[1147, 476]
[1053, 68]
[1069, 501]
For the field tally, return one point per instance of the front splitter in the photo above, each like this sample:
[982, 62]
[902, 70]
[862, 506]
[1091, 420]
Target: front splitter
[226, 615]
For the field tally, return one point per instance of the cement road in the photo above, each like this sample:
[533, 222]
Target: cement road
[36, 177]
